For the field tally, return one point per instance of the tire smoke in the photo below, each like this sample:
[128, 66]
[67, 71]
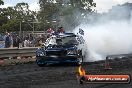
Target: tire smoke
[107, 38]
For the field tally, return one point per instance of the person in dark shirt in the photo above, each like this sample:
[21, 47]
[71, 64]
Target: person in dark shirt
[61, 30]
[7, 40]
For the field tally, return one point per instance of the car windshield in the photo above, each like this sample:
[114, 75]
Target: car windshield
[63, 41]
[67, 41]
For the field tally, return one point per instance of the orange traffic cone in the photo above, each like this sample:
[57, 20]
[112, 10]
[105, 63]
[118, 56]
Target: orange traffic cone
[107, 64]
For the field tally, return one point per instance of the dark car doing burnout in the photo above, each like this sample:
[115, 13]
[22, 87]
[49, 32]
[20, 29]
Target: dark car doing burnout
[59, 48]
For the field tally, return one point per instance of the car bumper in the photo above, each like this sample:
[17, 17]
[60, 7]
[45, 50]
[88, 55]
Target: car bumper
[58, 59]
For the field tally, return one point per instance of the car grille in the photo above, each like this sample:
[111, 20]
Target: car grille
[56, 53]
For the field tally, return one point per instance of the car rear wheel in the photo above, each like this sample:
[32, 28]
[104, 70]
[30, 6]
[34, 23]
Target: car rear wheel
[41, 65]
[80, 61]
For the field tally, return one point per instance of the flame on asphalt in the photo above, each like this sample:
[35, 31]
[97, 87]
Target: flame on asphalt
[81, 71]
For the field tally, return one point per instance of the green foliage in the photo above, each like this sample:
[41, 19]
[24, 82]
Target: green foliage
[64, 11]
[1, 2]
[11, 17]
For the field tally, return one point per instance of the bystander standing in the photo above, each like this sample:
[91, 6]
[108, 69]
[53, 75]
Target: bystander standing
[7, 40]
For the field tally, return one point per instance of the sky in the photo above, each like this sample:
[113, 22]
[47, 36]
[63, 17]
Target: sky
[101, 5]
[33, 4]
[105, 5]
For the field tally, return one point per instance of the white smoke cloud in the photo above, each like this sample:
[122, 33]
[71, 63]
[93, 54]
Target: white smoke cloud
[107, 38]
[6, 5]
[34, 6]
[105, 5]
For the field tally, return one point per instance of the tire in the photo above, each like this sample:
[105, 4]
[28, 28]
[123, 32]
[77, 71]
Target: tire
[80, 62]
[82, 79]
[81, 82]
[40, 65]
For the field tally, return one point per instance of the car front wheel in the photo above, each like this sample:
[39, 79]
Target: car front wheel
[40, 63]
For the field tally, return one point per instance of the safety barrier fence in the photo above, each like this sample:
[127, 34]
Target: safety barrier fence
[14, 52]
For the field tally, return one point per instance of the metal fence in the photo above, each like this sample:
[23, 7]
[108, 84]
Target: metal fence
[13, 52]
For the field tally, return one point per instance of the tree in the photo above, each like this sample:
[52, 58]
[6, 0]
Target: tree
[11, 17]
[65, 12]
[45, 16]
[25, 15]
[1, 2]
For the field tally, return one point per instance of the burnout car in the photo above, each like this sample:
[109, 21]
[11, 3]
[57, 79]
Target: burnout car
[60, 48]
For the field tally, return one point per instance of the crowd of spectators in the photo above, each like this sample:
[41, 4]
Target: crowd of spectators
[27, 40]
[14, 40]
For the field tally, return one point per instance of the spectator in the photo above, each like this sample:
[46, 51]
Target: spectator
[50, 30]
[14, 42]
[18, 41]
[7, 40]
[11, 40]
[26, 42]
[61, 30]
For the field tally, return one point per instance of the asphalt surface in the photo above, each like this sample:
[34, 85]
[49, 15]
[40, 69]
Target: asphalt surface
[59, 76]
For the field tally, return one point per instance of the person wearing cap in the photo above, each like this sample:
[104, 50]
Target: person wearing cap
[61, 30]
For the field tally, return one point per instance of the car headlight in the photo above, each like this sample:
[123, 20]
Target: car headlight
[40, 53]
[71, 52]
[50, 47]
